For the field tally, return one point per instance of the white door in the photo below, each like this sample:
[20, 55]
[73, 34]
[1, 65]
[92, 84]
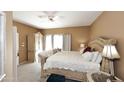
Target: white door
[15, 51]
[17, 48]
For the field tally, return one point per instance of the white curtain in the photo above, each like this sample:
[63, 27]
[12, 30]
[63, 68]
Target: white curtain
[38, 44]
[48, 42]
[67, 42]
[58, 41]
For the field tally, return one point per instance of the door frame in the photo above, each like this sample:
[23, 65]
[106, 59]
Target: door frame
[15, 53]
[3, 27]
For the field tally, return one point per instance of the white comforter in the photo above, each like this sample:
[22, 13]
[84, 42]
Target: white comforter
[71, 60]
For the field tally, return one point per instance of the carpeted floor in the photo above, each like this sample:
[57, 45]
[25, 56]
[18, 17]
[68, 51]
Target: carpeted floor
[30, 73]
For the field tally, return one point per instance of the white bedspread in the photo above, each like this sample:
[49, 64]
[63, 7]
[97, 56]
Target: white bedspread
[71, 60]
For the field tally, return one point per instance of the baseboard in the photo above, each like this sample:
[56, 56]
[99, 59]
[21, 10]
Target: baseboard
[9, 79]
[25, 62]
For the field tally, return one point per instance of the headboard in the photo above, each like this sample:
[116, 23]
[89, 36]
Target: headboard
[98, 45]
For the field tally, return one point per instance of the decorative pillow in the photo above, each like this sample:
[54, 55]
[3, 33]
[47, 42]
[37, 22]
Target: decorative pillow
[97, 57]
[82, 50]
[95, 54]
[56, 50]
[87, 56]
[88, 49]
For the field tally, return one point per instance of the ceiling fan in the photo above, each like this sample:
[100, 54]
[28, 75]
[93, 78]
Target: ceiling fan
[50, 15]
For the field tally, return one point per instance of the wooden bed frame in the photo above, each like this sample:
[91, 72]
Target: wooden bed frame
[98, 45]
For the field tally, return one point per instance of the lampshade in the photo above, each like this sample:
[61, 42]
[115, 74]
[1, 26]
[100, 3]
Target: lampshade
[82, 45]
[109, 51]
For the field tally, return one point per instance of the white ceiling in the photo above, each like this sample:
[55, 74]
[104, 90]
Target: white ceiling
[65, 18]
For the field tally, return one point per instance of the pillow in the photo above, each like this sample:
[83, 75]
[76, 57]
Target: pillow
[88, 49]
[82, 50]
[56, 50]
[97, 57]
[95, 54]
[87, 56]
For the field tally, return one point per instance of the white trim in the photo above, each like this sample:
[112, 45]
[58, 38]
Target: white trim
[14, 53]
[2, 77]
[3, 30]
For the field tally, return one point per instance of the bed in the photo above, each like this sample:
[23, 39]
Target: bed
[72, 65]
[71, 60]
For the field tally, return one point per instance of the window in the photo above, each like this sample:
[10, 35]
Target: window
[38, 45]
[38, 42]
[58, 41]
[48, 43]
[54, 41]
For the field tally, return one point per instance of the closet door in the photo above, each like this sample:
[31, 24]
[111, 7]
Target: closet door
[31, 47]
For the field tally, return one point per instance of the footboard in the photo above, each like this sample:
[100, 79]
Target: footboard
[67, 73]
[42, 60]
[80, 76]
[42, 57]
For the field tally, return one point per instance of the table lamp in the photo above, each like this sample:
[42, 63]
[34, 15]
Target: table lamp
[110, 52]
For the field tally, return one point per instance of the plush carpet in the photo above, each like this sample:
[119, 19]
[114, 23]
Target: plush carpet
[30, 73]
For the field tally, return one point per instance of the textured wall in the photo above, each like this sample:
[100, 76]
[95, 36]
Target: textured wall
[23, 30]
[79, 34]
[9, 47]
[111, 25]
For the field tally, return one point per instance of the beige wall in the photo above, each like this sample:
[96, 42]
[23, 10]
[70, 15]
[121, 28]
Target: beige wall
[9, 47]
[111, 25]
[79, 34]
[23, 30]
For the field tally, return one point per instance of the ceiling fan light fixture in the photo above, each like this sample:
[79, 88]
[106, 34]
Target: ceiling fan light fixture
[51, 16]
